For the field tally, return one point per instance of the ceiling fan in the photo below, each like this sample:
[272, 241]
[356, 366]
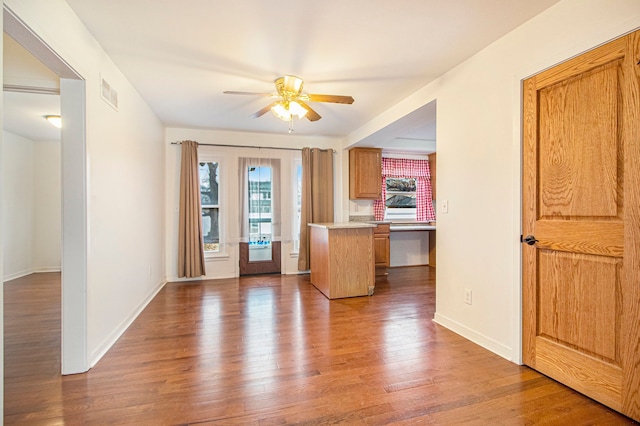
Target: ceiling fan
[291, 101]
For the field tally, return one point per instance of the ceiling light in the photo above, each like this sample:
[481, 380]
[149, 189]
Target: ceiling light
[286, 110]
[297, 109]
[54, 120]
[281, 111]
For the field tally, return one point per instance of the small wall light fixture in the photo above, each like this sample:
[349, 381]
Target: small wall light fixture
[54, 120]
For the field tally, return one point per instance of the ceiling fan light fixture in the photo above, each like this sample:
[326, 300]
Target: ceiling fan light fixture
[292, 101]
[281, 111]
[54, 120]
[296, 109]
[287, 110]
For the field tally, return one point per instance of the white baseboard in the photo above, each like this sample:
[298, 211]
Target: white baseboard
[20, 274]
[119, 331]
[45, 269]
[16, 275]
[477, 338]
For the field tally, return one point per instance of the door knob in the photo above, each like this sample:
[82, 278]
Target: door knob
[529, 239]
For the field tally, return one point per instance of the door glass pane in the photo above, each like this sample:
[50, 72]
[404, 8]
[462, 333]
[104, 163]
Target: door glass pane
[260, 214]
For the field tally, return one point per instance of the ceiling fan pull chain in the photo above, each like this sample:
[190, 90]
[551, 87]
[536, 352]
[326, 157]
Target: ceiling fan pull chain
[291, 124]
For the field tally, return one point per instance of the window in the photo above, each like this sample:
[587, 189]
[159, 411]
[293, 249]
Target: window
[259, 205]
[408, 182]
[401, 193]
[260, 213]
[209, 200]
[400, 199]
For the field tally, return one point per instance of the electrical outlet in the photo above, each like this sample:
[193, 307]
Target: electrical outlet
[467, 296]
[445, 206]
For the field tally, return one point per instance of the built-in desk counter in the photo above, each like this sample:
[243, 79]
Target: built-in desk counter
[342, 258]
[395, 226]
[419, 226]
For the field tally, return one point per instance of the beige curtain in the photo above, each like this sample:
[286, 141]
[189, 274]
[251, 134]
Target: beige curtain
[317, 196]
[190, 246]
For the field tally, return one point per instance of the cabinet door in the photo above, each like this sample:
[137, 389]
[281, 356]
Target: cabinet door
[381, 244]
[365, 173]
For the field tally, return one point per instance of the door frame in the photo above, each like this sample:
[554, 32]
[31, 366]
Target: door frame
[74, 339]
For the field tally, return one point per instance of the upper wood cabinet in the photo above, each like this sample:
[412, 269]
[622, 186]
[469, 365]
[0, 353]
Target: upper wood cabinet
[365, 173]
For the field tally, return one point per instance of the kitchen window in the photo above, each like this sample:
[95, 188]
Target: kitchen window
[400, 199]
[406, 191]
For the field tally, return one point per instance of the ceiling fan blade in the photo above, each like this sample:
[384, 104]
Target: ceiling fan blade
[263, 111]
[233, 92]
[336, 99]
[311, 114]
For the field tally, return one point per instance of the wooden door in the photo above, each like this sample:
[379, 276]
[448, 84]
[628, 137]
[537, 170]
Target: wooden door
[581, 201]
[257, 267]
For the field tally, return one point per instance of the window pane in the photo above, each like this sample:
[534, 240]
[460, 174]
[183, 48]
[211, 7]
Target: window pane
[260, 204]
[259, 213]
[209, 184]
[401, 193]
[401, 201]
[211, 229]
[401, 185]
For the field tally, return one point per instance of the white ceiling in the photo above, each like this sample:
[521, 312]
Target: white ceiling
[181, 55]
[23, 113]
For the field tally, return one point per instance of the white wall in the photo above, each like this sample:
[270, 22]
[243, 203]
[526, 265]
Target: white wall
[17, 205]
[125, 180]
[225, 264]
[31, 206]
[478, 122]
[47, 226]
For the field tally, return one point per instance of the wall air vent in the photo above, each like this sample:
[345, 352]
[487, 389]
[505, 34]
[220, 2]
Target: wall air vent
[109, 94]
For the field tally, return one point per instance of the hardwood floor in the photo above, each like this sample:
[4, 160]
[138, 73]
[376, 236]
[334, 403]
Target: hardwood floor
[269, 350]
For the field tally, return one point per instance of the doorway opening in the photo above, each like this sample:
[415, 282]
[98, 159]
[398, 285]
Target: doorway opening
[74, 194]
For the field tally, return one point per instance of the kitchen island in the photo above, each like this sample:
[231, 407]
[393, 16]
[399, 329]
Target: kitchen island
[342, 259]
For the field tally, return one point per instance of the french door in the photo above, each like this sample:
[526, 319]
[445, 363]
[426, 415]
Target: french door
[260, 254]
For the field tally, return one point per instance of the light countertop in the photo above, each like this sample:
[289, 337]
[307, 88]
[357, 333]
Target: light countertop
[412, 226]
[342, 225]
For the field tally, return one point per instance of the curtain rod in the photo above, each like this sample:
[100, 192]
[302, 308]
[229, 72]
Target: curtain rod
[249, 146]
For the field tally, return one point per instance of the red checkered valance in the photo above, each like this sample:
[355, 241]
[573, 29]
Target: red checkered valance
[405, 168]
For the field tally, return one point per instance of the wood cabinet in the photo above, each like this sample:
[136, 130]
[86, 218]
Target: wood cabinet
[381, 248]
[432, 248]
[365, 173]
[342, 259]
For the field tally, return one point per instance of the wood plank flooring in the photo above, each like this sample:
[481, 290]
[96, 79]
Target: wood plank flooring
[271, 350]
